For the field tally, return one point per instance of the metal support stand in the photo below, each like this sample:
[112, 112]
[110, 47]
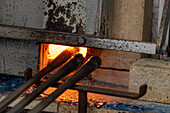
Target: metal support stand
[82, 107]
[164, 47]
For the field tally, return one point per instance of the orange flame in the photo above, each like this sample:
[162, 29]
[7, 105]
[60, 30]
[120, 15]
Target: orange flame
[55, 50]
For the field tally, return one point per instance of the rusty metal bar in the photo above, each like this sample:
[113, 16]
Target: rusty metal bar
[82, 107]
[66, 68]
[76, 39]
[89, 66]
[62, 58]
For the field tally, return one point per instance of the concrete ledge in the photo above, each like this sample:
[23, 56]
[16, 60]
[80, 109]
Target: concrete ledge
[114, 105]
[51, 108]
[56, 107]
[156, 74]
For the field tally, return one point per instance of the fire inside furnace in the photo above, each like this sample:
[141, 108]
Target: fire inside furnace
[55, 50]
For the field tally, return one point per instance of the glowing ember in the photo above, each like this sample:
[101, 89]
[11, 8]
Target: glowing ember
[55, 50]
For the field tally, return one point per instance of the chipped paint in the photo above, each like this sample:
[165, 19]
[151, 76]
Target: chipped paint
[73, 16]
[65, 16]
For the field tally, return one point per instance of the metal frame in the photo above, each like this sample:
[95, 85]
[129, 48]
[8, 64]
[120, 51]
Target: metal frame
[84, 89]
[81, 88]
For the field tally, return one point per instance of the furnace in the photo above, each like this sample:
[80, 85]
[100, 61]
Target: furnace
[97, 46]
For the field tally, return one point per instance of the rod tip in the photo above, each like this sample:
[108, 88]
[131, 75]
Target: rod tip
[99, 61]
[79, 57]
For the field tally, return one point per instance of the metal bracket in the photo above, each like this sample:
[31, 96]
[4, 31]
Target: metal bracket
[84, 89]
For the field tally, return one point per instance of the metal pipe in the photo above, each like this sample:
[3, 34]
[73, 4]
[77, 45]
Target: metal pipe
[66, 68]
[89, 66]
[62, 58]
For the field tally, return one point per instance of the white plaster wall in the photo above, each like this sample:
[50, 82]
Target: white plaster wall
[30, 13]
[23, 13]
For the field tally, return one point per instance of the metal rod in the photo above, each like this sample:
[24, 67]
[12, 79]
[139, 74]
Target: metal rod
[131, 95]
[142, 91]
[89, 66]
[82, 107]
[111, 92]
[62, 58]
[66, 68]
[28, 74]
[76, 39]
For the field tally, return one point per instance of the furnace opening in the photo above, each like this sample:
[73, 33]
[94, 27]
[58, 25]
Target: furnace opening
[55, 50]
[51, 51]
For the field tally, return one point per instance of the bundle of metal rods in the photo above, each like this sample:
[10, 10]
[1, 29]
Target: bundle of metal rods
[58, 61]
[74, 66]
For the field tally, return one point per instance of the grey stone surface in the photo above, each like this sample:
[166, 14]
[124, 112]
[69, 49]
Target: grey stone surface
[18, 55]
[154, 73]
